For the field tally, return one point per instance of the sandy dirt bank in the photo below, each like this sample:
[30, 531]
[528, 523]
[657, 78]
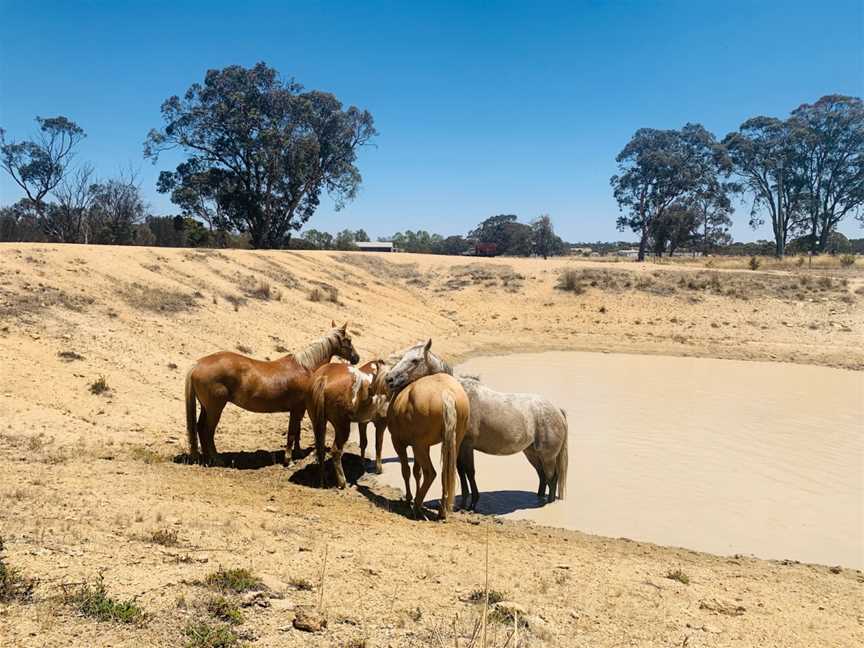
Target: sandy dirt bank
[86, 479]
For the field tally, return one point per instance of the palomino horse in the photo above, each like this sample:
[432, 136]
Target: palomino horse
[342, 394]
[423, 412]
[258, 386]
[503, 424]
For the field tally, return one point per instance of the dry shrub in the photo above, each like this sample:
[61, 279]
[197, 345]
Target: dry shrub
[99, 386]
[486, 275]
[233, 580]
[381, 269]
[25, 300]
[156, 299]
[324, 292]
[94, 601]
[571, 281]
[847, 260]
[14, 587]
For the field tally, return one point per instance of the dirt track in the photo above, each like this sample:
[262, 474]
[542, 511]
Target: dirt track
[86, 479]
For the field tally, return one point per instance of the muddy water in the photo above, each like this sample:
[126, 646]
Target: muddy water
[715, 455]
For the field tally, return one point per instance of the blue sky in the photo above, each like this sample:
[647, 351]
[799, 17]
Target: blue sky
[483, 107]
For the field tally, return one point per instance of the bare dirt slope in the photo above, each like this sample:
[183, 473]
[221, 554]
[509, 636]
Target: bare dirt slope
[87, 485]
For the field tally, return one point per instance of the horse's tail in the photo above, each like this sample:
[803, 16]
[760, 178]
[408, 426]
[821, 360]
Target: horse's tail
[191, 432]
[561, 461]
[448, 452]
[316, 405]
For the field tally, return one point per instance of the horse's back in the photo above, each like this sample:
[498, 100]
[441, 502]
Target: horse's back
[418, 410]
[255, 385]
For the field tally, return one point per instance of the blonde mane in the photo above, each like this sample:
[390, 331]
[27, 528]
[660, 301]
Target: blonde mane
[319, 352]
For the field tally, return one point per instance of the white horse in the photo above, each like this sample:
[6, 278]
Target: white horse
[500, 424]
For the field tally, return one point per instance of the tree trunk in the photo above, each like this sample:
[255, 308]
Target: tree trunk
[643, 243]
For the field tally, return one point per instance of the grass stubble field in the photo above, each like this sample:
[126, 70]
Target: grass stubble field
[108, 542]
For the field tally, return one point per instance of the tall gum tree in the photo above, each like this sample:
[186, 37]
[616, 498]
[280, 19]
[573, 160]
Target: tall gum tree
[265, 147]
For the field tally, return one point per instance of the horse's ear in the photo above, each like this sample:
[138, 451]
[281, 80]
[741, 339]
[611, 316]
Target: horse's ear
[427, 347]
[345, 327]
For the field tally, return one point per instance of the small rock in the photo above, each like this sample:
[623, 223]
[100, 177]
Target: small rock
[722, 607]
[258, 599]
[269, 509]
[308, 619]
[711, 629]
[836, 569]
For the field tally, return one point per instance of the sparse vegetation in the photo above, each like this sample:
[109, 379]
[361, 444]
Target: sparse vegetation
[69, 356]
[145, 454]
[201, 634]
[165, 537]
[479, 596]
[678, 575]
[233, 580]
[300, 583]
[92, 600]
[14, 587]
[754, 263]
[570, 280]
[324, 292]
[99, 386]
[847, 260]
[242, 348]
[157, 299]
[224, 608]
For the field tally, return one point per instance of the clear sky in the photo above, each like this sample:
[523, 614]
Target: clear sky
[482, 107]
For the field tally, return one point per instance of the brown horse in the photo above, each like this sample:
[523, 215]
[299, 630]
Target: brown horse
[258, 386]
[342, 394]
[431, 410]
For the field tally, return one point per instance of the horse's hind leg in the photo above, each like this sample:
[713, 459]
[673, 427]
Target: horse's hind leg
[320, 432]
[469, 469]
[463, 479]
[380, 426]
[343, 430]
[210, 416]
[534, 460]
[421, 456]
[402, 453]
[550, 467]
[292, 440]
[361, 429]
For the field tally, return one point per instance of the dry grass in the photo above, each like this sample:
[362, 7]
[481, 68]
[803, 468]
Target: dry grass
[157, 299]
[678, 575]
[99, 386]
[385, 270]
[25, 300]
[69, 356]
[14, 587]
[324, 292]
[488, 276]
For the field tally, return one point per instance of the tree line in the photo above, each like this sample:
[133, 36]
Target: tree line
[803, 175]
[504, 231]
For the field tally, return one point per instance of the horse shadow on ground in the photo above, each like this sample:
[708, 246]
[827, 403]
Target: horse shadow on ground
[248, 460]
[309, 475]
[502, 502]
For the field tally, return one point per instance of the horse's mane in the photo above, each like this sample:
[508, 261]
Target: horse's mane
[393, 358]
[319, 351]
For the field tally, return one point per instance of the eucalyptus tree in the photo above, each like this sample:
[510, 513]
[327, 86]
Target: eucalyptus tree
[659, 168]
[39, 165]
[766, 155]
[829, 139]
[269, 149]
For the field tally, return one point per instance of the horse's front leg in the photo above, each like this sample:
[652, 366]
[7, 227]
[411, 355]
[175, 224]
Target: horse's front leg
[463, 477]
[292, 438]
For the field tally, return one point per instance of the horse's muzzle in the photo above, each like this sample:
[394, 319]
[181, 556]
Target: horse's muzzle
[355, 358]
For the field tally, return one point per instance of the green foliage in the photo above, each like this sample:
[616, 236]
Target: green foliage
[93, 601]
[320, 240]
[678, 575]
[225, 609]
[261, 149]
[233, 580]
[205, 635]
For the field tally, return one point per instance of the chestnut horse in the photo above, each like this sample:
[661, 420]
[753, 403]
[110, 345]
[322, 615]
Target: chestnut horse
[342, 394]
[257, 386]
[424, 412]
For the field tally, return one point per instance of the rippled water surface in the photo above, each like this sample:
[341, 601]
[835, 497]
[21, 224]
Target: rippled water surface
[716, 455]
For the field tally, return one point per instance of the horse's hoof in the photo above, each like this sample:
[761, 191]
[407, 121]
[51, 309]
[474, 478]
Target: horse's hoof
[378, 469]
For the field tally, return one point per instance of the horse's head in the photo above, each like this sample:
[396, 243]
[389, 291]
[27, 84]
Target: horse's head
[416, 362]
[344, 347]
